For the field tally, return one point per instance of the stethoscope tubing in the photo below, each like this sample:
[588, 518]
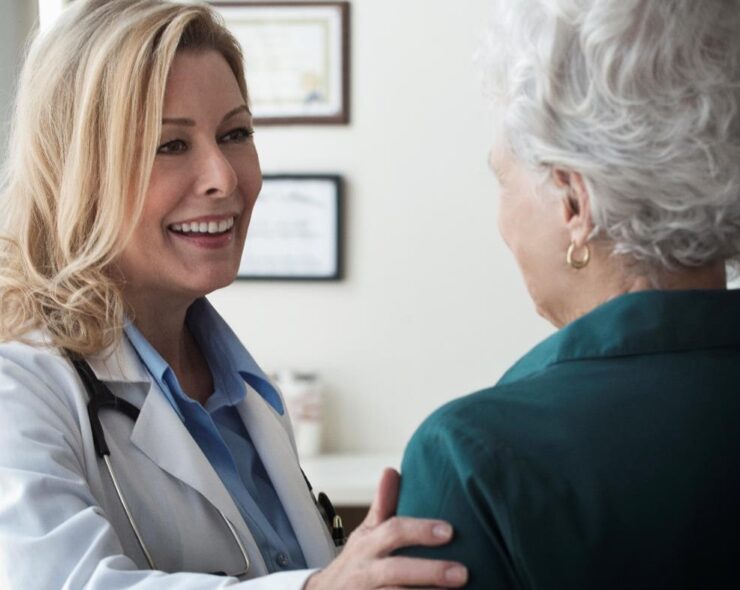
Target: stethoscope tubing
[140, 540]
[242, 548]
[126, 509]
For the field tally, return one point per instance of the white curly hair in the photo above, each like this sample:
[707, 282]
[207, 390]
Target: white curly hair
[642, 97]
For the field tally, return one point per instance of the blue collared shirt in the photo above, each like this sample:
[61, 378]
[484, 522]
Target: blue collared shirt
[220, 432]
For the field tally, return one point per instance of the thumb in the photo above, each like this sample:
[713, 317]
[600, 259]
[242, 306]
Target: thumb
[386, 498]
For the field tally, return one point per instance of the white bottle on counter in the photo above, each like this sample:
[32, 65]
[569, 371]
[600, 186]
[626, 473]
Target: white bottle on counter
[303, 393]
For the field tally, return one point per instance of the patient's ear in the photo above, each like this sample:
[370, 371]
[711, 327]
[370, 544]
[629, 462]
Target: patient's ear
[575, 203]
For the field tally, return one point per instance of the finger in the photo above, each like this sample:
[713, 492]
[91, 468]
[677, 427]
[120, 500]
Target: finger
[412, 571]
[398, 532]
[386, 498]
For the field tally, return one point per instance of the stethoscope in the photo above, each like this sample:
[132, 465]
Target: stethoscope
[100, 398]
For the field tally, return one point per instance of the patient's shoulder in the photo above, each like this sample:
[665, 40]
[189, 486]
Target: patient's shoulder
[489, 415]
[459, 437]
[525, 422]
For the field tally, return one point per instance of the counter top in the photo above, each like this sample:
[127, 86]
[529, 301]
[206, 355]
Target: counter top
[348, 479]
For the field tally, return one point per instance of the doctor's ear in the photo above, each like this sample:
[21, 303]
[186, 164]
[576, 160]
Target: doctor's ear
[575, 202]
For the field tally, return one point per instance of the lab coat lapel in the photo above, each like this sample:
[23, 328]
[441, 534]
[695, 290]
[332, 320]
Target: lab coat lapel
[273, 444]
[163, 438]
[160, 435]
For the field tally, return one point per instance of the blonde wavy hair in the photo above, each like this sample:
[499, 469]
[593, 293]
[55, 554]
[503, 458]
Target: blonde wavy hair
[85, 130]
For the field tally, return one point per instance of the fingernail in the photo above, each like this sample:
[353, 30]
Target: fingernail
[443, 531]
[456, 574]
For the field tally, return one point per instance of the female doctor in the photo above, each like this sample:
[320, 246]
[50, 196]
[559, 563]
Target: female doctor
[127, 196]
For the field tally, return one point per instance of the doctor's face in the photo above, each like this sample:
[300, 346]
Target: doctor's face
[203, 186]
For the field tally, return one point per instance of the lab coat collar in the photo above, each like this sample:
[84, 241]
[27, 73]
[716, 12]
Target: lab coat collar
[119, 364]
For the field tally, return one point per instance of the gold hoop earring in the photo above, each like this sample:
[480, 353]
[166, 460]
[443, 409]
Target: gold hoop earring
[580, 262]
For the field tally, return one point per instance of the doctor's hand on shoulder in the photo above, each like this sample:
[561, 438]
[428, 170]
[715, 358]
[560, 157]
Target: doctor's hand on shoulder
[366, 562]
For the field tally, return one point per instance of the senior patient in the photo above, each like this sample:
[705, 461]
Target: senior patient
[608, 456]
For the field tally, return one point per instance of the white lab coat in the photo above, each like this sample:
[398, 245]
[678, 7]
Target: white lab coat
[61, 523]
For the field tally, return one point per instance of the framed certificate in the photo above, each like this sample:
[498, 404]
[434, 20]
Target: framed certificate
[296, 59]
[295, 230]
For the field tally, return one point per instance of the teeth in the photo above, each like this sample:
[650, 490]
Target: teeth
[204, 227]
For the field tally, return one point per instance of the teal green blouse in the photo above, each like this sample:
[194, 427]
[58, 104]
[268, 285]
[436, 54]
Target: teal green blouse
[607, 457]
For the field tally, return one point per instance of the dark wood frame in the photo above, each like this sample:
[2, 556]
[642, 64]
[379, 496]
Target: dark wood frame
[338, 182]
[341, 118]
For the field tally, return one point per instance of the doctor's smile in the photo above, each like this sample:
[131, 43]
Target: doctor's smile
[210, 231]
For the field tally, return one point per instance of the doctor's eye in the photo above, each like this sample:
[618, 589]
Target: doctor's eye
[176, 146]
[240, 135]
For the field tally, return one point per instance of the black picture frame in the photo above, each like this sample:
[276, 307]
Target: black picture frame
[296, 229]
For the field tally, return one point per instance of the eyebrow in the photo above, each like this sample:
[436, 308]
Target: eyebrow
[191, 123]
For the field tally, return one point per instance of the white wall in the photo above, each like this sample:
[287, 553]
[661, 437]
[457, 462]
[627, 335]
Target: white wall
[17, 17]
[432, 306]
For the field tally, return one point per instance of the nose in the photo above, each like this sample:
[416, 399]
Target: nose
[217, 177]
